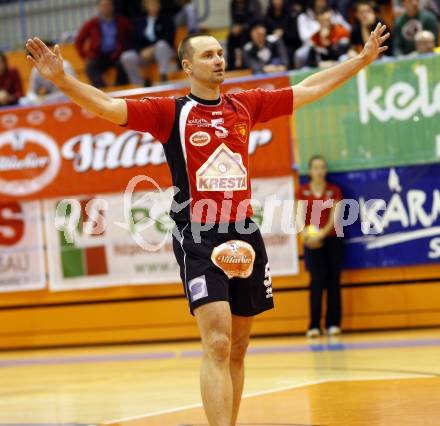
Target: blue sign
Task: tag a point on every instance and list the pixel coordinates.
(397, 222)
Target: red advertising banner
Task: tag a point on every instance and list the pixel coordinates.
(60, 150)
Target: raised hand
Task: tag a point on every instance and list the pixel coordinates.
(49, 64)
(374, 46)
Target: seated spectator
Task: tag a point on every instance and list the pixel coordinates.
(431, 5)
(366, 21)
(41, 90)
(265, 54)
(308, 25)
(329, 43)
(425, 43)
(241, 12)
(281, 22)
(184, 12)
(153, 41)
(101, 42)
(409, 24)
(130, 9)
(11, 88)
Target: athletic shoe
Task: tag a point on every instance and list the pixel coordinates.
(334, 330)
(313, 332)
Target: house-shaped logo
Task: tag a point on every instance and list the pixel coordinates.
(223, 171)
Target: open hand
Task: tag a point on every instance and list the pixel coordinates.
(49, 64)
(374, 45)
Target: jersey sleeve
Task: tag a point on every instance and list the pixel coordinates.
(152, 115)
(264, 105)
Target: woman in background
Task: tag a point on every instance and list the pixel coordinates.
(322, 247)
(11, 89)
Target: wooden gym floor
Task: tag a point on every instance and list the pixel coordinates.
(374, 379)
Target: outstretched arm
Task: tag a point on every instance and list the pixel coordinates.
(50, 65)
(324, 82)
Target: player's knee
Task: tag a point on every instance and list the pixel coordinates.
(218, 347)
(238, 350)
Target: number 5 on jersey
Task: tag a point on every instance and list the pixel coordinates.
(221, 131)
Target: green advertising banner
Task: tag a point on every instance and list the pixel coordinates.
(388, 115)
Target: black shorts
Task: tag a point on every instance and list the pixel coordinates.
(204, 282)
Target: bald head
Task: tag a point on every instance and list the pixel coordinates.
(425, 42)
(189, 44)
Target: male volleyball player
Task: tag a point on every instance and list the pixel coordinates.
(205, 136)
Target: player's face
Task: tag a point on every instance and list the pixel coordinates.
(318, 170)
(208, 62)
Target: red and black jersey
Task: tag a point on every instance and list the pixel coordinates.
(206, 146)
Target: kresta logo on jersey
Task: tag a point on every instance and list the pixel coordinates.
(223, 171)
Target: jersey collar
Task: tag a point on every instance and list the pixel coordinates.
(215, 102)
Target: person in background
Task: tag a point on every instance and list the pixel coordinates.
(409, 24)
(308, 25)
(41, 90)
(101, 41)
(11, 88)
(241, 13)
(425, 43)
(431, 5)
(323, 249)
(265, 54)
(184, 12)
(153, 41)
(281, 21)
(329, 44)
(366, 21)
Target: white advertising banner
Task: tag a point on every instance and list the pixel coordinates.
(126, 239)
(21, 247)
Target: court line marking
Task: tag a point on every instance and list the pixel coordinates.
(267, 392)
(140, 356)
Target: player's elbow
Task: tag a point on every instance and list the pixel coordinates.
(114, 110)
(305, 94)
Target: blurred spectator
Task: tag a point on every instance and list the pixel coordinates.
(128, 8)
(264, 54)
(329, 43)
(11, 88)
(431, 5)
(409, 24)
(425, 43)
(283, 23)
(153, 41)
(41, 90)
(366, 21)
(308, 25)
(184, 12)
(101, 42)
(241, 12)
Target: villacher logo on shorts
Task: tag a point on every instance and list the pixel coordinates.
(200, 139)
(223, 171)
